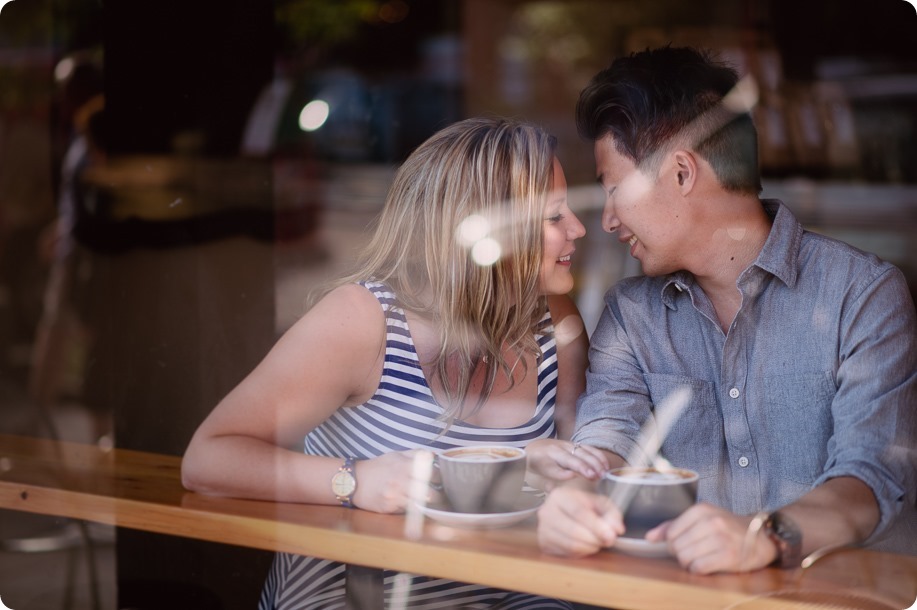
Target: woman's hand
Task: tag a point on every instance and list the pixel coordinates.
(554, 460)
(387, 484)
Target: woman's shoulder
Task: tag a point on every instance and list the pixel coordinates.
(562, 306)
(339, 341)
(349, 309)
(352, 297)
(569, 328)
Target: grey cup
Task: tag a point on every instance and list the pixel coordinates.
(648, 497)
(486, 479)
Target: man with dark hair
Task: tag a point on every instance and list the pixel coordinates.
(784, 360)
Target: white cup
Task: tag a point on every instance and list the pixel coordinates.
(648, 497)
(482, 479)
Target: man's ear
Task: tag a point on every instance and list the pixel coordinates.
(685, 170)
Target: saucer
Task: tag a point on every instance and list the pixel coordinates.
(641, 547)
(526, 505)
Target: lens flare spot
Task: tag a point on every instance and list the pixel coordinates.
(743, 97)
(313, 115)
(486, 252)
(473, 229)
(64, 68)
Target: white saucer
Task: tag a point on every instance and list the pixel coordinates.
(526, 506)
(641, 547)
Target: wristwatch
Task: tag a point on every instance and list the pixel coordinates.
(785, 534)
(344, 483)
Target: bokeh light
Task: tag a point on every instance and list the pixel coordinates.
(473, 229)
(313, 115)
(743, 97)
(486, 252)
(64, 69)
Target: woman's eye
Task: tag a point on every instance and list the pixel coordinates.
(556, 218)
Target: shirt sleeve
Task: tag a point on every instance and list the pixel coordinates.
(875, 424)
(616, 403)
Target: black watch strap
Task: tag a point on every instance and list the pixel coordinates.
(786, 536)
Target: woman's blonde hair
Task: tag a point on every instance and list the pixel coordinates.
(477, 180)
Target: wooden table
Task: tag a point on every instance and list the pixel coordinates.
(143, 491)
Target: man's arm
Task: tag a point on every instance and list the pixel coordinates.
(616, 404)
(875, 407)
(841, 511)
(707, 539)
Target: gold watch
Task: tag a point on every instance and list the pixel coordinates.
(344, 483)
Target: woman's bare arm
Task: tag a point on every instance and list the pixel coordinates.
(246, 447)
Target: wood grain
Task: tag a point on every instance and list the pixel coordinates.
(143, 491)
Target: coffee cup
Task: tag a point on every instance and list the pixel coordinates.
(482, 479)
(647, 496)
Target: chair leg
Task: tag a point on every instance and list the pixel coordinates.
(364, 588)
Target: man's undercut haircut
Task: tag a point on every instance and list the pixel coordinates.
(655, 101)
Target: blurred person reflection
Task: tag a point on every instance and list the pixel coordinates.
(64, 336)
(421, 349)
(800, 351)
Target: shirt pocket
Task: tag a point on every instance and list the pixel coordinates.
(695, 439)
(798, 423)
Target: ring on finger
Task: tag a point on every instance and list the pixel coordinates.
(575, 447)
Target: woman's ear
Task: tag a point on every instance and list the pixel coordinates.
(685, 170)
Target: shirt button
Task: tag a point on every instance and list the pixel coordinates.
(734, 393)
(743, 461)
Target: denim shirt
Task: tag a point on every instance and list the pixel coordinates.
(815, 378)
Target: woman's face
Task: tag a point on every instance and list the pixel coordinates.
(561, 229)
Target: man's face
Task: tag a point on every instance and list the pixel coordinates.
(641, 209)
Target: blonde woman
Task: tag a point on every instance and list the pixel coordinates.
(428, 345)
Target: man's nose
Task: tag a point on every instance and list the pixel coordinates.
(610, 220)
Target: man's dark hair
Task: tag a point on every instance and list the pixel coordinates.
(672, 95)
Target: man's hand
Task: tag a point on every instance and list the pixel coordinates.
(574, 522)
(706, 539)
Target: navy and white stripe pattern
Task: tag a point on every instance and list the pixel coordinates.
(403, 415)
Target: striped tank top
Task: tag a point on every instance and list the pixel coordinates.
(404, 415)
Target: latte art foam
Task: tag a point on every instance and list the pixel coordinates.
(655, 476)
(651, 476)
(491, 454)
(478, 457)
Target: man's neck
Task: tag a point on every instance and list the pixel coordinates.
(736, 238)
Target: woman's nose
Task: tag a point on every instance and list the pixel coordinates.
(576, 229)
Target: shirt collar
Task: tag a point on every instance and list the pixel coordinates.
(779, 256)
(674, 285)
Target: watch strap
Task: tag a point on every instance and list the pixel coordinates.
(786, 536)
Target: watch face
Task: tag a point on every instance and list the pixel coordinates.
(343, 484)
